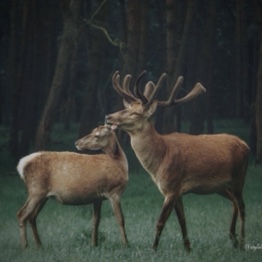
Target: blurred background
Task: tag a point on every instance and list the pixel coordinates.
(57, 59)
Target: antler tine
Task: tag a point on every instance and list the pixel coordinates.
(149, 88)
(126, 95)
(156, 87)
(126, 82)
(170, 100)
(137, 90)
(197, 90)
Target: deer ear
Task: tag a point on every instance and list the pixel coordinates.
(126, 104)
(152, 108)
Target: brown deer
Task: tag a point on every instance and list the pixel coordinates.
(180, 163)
(75, 179)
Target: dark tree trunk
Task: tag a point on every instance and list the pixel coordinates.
(202, 107)
(180, 62)
(259, 107)
(69, 42)
(15, 74)
(133, 38)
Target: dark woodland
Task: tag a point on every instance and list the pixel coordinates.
(58, 58)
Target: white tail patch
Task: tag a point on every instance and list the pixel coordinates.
(24, 161)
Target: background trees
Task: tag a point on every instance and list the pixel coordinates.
(57, 58)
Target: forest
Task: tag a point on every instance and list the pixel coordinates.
(58, 58)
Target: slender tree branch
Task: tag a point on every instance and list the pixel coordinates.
(90, 22)
(98, 10)
(115, 42)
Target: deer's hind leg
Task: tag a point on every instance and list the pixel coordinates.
(27, 210)
(32, 221)
(241, 209)
(232, 232)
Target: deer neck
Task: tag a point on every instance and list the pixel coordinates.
(115, 151)
(149, 148)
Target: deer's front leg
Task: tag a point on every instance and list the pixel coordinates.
(165, 213)
(179, 208)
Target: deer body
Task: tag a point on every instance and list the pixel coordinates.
(75, 179)
(182, 163)
(203, 170)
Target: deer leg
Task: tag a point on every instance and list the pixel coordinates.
(179, 208)
(23, 214)
(116, 205)
(22, 224)
(32, 221)
(241, 210)
(96, 220)
(165, 213)
(232, 233)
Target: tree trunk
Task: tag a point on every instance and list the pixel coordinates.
(240, 79)
(141, 63)
(29, 67)
(69, 41)
(15, 67)
(133, 38)
(95, 58)
(259, 106)
(169, 123)
(180, 62)
(203, 69)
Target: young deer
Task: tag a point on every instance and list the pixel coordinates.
(181, 163)
(75, 179)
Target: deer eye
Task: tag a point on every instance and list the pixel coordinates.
(97, 136)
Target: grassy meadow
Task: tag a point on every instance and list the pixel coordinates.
(66, 230)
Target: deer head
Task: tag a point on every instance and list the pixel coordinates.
(98, 139)
(141, 106)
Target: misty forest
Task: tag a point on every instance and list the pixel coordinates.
(58, 58)
(57, 62)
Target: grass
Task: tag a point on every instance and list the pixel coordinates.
(66, 230)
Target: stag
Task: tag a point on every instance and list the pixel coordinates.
(75, 179)
(180, 163)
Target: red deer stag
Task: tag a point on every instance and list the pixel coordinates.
(75, 179)
(181, 163)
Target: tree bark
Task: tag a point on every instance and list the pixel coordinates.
(169, 119)
(133, 38)
(201, 107)
(259, 107)
(69, 41)
(89, 118)
(15, 74)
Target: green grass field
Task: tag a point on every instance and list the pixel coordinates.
(65, 230)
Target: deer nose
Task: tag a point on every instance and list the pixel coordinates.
(77, 144)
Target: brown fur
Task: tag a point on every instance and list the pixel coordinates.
(182, 163)
(75, 179)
